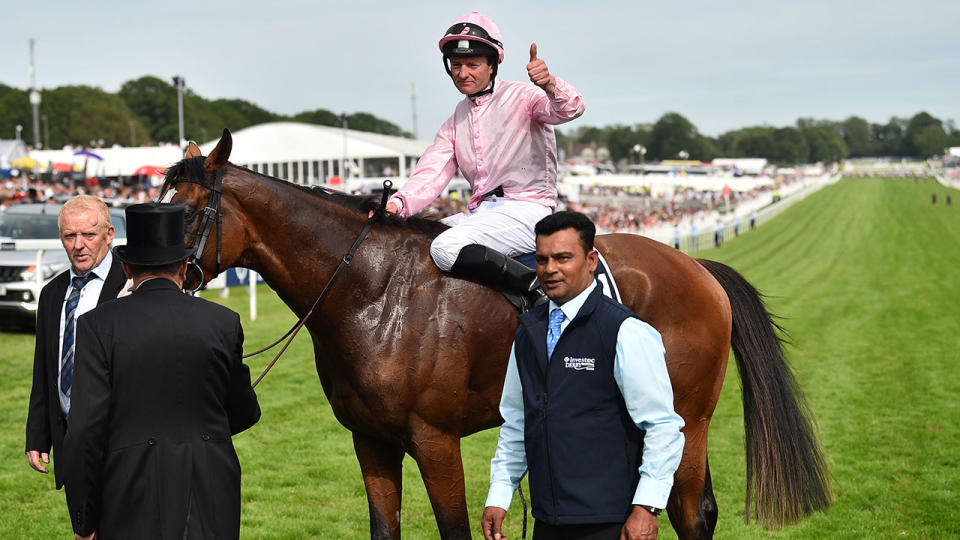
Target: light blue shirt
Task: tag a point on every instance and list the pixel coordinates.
(641, 374)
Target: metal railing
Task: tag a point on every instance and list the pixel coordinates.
(690, 244)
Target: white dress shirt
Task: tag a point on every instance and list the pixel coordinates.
(89, 295)
(641, 374)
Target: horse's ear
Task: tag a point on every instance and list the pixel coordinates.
(192, 150)
(220, 154)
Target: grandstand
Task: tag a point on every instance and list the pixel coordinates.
(885, 168)
(947, 169)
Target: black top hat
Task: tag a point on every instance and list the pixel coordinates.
(154, 235)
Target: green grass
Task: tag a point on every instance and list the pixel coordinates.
(865, 274)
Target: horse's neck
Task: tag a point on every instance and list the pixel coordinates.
(294, 240)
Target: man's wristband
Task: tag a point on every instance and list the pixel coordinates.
(653, 510)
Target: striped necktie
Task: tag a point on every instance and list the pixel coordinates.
(69, 333)
(553, 330)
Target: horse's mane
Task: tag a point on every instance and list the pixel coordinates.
(193, 168)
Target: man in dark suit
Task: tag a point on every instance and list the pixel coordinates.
(94, 277)
(161, 388)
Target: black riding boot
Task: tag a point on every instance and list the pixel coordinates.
(494, 269)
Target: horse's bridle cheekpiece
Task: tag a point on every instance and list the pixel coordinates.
(211, 214)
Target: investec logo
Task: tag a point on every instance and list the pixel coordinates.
(579, 364)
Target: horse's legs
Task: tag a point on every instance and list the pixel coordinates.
(692, 507)
(438, 455)
(382, 466)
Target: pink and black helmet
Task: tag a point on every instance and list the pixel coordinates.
(473, 34)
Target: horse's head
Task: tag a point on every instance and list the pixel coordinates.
(199, 183)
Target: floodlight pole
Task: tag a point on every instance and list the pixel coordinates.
(413, 105)
(34, 100)
(179, 83)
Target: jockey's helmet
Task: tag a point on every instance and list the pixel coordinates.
(473, 34)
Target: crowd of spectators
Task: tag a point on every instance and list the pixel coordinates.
(891, 173)
(627, 211)
(947, 169)
(621, 210)
(612, 209)
(24, 190)
(443, 207)
(636, 211)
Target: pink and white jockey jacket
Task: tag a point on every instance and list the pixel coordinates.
(500, 139)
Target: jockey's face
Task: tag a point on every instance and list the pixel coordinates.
(470, 74)
(564, 267)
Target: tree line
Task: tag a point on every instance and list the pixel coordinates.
(144, 112)
(809, 141)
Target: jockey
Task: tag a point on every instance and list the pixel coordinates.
(501, 138)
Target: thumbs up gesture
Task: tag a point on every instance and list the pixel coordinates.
(538, 72)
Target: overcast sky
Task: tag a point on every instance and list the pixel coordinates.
(723, 65)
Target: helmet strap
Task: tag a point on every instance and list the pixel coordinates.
(487, 90)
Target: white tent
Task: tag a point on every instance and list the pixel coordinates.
(300, 153)
(116, 161)
(11, 151)
(312, 154)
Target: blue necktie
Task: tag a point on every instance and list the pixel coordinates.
(553, 330)
(69, 330)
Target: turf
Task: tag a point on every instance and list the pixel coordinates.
(864, 274)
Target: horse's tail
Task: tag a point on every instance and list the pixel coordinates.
(787, 475)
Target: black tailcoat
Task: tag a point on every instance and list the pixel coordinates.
(159, 388)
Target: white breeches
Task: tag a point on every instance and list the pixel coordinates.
(502, 224)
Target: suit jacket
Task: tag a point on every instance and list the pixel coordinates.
(159, 388)
(45, 421)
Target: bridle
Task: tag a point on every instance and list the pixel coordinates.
(212, 212)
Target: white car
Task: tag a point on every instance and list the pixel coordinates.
(19, 290)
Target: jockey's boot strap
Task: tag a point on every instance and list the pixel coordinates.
(494, 269)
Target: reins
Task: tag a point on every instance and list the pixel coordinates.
(344, 263)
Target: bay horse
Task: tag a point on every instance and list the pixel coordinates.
(412, 359)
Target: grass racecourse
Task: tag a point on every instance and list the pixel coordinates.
(866, 275)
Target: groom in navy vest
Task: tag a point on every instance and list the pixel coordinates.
(587, 405)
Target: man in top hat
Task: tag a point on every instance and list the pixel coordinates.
(160, 388)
